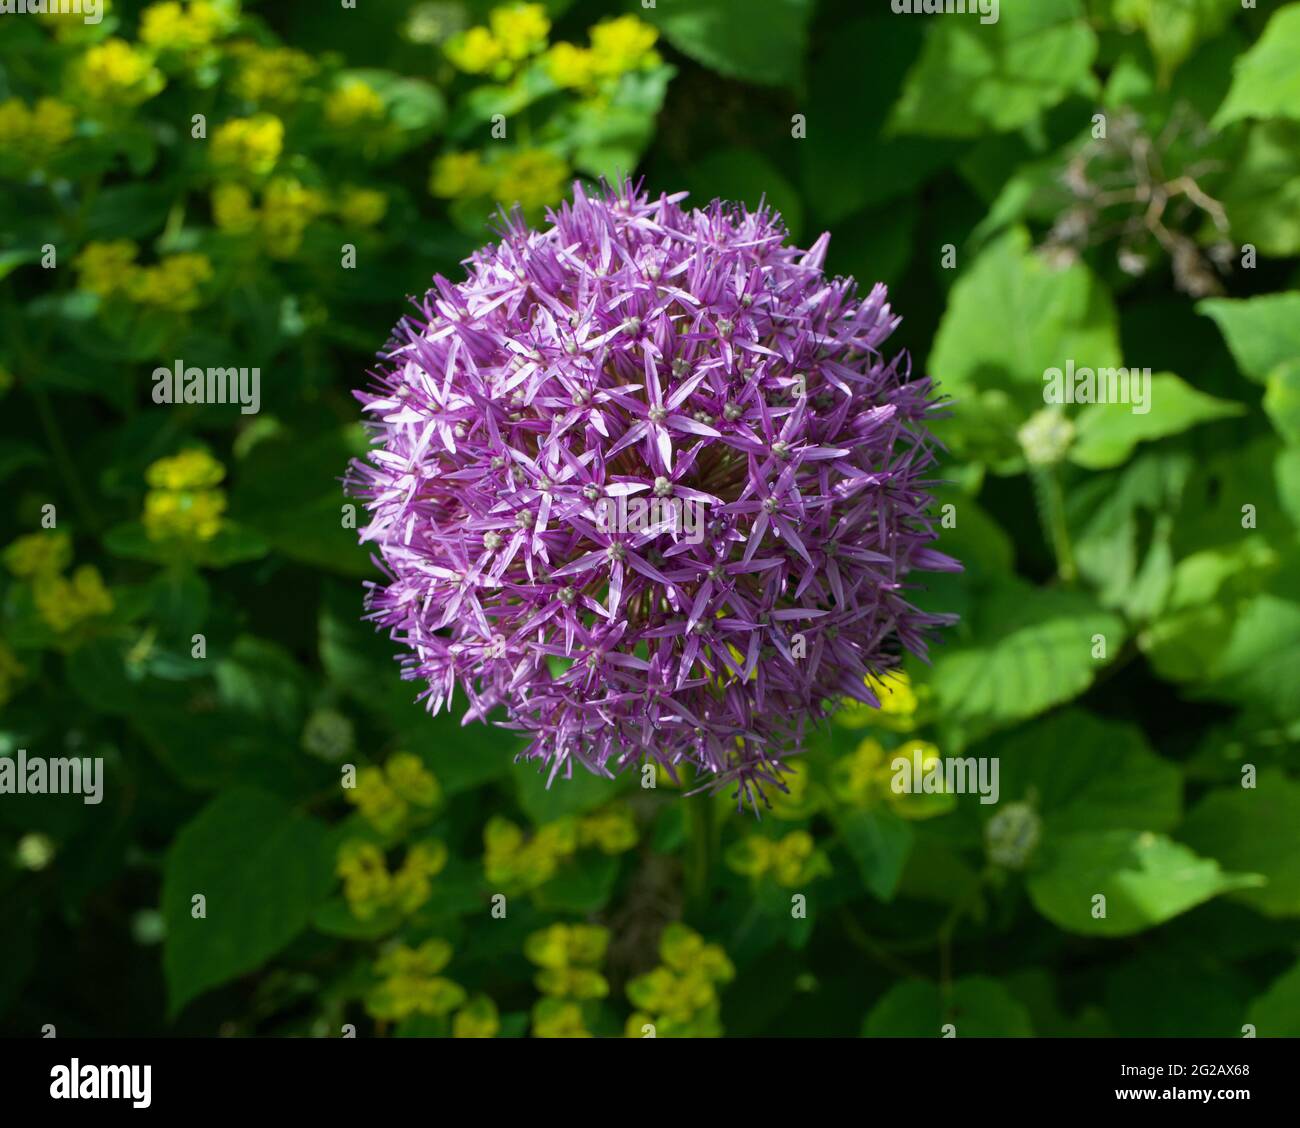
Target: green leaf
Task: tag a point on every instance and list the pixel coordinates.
(263, 870)
(582, 885)
(1030, 650)
(609, 138)
(1262, 333)
(975, 78)
(1260, 664)
(1282, 400)
(289, 491)
(1287, 468)
(1256, 830)
(1262, 191)
(1146, 879)
(845, 99)
(978, 1007)
(730, 37)
(1087, 773)
(1011, 316)
(1266, 79)
(879, 842)
(1276, 1013)
(1175, 27)
(1107, 433)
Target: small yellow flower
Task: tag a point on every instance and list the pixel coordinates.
(378, 803)
(571, 67)
(476, 51)
(425, 961)
(409, 778)
(623, 44)
(249, 146)
(106, 268)
(862, 775)
(478, 1018)
(172, 284)
(115, 73)
(170, 26)
(613, 831)
(233, 209)
(898, 704)
(270, 74)
(558, 1018)
(192, 469)
(362, 207)
(367, 884)
(566, 945)
(459, 174)
(683, 949)
(183, 516)
(39, 554)
(53, 122)
(520, 29)
(411, 884)
(288, 209)
(412, 984)
(353, 102)
(532, 178)
(38, 133)
(917, 789)
(65, 603)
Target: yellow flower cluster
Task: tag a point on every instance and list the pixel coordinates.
(11, 671)
(516, 863)
(38, 133)
(39, 554)
(63, 602)
(173, 283)
(618, 46)
(385, 798)
(248, 147)
(361, 207)
(680, 998)
(867, 775)
(568, 955)
(370, 888)
(287, 209)
(270, 74)
(514, 34)
(532, 178)
(116, 74)
(184, 28)
(898, 699)
(789, 861)
(353, 103)
(478, 1018)
(411, 984)
(183, 503)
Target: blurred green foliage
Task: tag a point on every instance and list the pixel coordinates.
(1109, 183)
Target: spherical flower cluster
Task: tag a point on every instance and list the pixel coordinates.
(646, 482)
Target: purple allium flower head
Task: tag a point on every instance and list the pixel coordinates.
(545, 432)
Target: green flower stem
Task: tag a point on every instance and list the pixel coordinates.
(1051, 512)
(701, 830)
